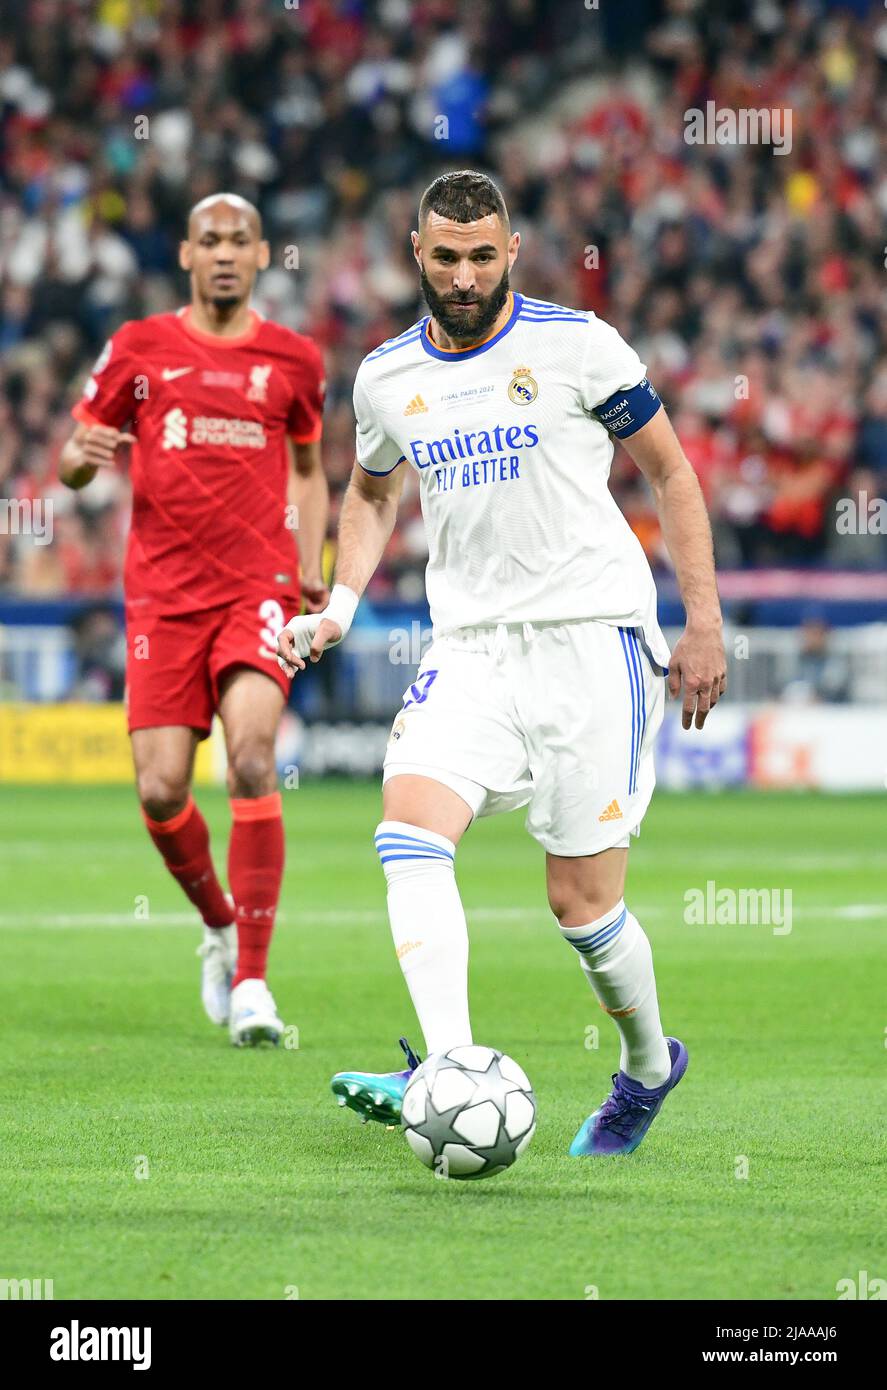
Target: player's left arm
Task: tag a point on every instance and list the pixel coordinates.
(309, 493)
(698, 660)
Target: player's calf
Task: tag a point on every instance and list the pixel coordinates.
(249, 707)
(255, 872)
(183, 841)
(429, 929)
(618, 963)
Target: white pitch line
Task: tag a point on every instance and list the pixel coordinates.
(186, 919)
(773, 859)
(332, 917)
(500, 857)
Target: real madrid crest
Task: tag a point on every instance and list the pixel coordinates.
(523, 388)
(397, 730)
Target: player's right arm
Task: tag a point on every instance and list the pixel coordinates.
(90, 448)
(369, 510)
(366, 521)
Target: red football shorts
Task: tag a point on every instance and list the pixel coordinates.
(174, 663)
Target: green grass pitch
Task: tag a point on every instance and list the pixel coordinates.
(143, 1157)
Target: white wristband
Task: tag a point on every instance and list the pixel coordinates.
(340, 610)
(342, 607)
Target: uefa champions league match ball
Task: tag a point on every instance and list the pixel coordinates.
(469, 1112)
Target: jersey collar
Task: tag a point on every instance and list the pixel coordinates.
(462, 354)
(216, 339)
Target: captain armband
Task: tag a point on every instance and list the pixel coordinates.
(626, 411)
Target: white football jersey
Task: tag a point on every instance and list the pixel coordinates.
(513, 469)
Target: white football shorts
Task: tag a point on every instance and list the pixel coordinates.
(558, 716)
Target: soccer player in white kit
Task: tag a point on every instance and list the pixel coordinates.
(544, 685)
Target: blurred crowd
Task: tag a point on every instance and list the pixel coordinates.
(751, 281)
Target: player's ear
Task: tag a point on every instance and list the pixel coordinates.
(264, 257)
(513, 248)
(185, 255)
(417, 247)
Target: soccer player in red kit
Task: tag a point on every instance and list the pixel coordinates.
(222, 409)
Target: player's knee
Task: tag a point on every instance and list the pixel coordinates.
(575, 906)
(162, 795)
(251, 770)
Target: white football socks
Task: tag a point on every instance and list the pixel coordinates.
(615, 954)
(429, 929)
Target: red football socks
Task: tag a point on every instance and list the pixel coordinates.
(255, 871)
(184, 843)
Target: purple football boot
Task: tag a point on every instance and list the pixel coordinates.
(628, 1112)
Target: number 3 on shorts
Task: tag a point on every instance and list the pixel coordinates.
(271, 614)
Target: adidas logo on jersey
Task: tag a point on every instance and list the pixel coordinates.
(612, 812)
(416, 407)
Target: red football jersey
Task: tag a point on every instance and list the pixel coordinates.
(210, 469)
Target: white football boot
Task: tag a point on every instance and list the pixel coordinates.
(253, 1017)
(219, 952)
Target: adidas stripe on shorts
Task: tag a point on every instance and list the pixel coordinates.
(559, 717)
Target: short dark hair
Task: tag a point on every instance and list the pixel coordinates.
(463, 196)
